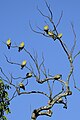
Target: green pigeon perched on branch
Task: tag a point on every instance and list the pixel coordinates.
(58, 76)
(23, 64)
(46, 28)
(28, 75)
(59, 35)
(21, 46)
(8, 43)
(21, 85)
(51, 34)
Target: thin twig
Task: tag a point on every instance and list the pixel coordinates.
(4, 75)
(48, 6)
(13, 96)
(14, 63)
(73, 47)
(59, 19)
(49, 87)
(35, 62)
(49, 18)
(76, 55)
(42, 33)
(75, 83)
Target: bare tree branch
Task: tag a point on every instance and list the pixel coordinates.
(59, 19)
(76, 55)
(42, 33)
(13, 96)
(49, 18)
(47, 113)
(48, 6)
(35, 62)
(14, 63)
(75, 83)
(49, 106)
(49, 87)
(64, 48)
(33, 92)
(4, 75)
(73, 47)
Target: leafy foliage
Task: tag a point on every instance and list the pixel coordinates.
(4, 100)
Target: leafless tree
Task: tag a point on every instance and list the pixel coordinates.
(61, 96)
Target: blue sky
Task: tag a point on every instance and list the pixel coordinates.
(14, 24)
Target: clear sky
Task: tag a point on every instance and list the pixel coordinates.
(14, 24)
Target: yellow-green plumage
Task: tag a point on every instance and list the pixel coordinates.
(23, 64)
(60, 35)
(51, 34)
(21, 46)
(8, 43)
(46, 28)
(58, 76)
(21, 85)
(28, 75)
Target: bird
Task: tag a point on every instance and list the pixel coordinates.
(28, 75)
(23, 64)
(21, 85)
(60, 100)
(21, 46)
(51, 34)
(46, 28)
(56, 77)
(49, 112)
(8, 43)
(60, 35)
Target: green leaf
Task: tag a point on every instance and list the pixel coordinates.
(5, 94)
(1, 81)
(8, 111)
(4, 118)
(4, 100)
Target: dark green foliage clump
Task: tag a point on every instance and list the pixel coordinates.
(4, 100)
